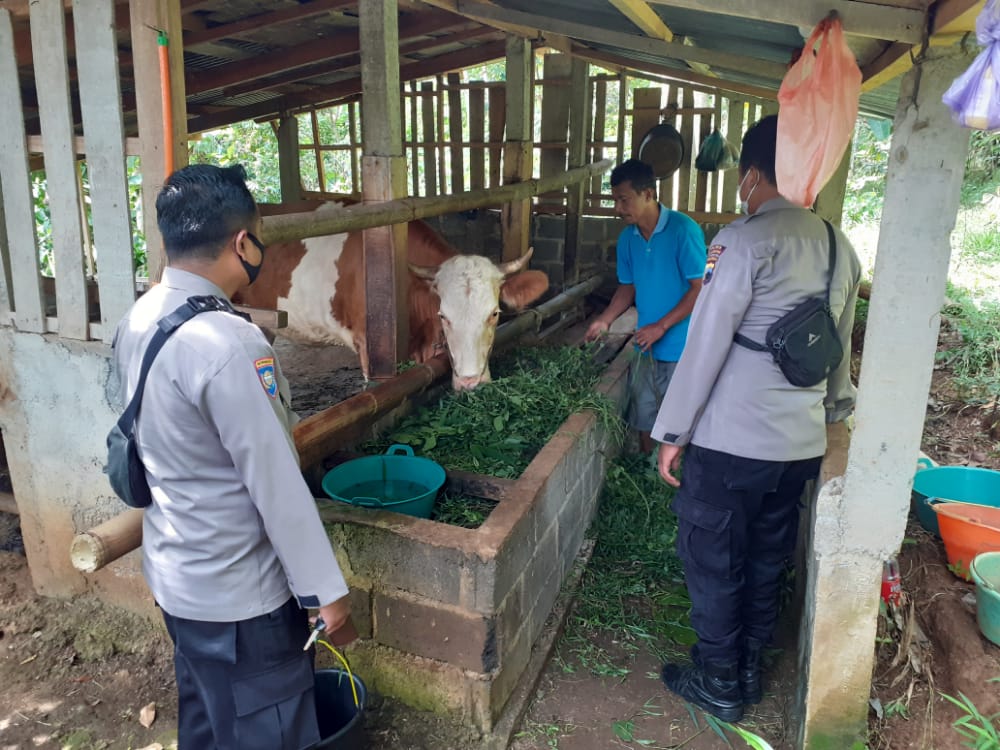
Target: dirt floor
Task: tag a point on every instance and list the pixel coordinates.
(74, 674)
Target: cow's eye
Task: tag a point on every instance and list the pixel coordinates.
(496, 313)
(444, 318)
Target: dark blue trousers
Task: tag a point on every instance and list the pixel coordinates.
(737, 527)
(245, 685)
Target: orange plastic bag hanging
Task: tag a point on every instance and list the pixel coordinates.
(818, 102)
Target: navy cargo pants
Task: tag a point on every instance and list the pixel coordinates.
(245, 685)
(737, 526)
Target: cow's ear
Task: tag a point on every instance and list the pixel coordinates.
(427, 273)
(521, 289)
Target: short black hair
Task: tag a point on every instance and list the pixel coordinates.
(639, 173)
(200, 207)
(759, 146)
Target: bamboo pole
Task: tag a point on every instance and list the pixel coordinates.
(328, 431)
(286, 227)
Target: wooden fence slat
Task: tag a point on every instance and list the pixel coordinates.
(455, 133)
(498, 118)
(600, 97)
(667, 185)
(352, 127)
(622, 101)
(414, 139)
(734, 134)
(477, 138)
(100, 104)
(429, 136)
(48, 32)
(701, 183)
(684, 184)
(442, 166)
(25, 286)
(713, 204)
(555, 115)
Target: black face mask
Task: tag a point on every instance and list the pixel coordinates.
(253, 271)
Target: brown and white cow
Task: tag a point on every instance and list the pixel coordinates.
(453, 298)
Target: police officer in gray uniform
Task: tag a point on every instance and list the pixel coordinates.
(751, 440)
(233, 546)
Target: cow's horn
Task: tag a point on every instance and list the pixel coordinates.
(514, 266)
(423, 272)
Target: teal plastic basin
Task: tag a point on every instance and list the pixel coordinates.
(397, 481)
(963, 484)
(985, 569)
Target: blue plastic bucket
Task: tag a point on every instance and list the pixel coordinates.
(341, 722)
(397, 481)
(985, 571)
(962, 484)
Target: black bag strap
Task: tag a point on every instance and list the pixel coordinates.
(742, 340)
(165, 327)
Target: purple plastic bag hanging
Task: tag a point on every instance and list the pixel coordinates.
(974, 97)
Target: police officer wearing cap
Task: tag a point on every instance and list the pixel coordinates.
(750, 439)
(233, 547)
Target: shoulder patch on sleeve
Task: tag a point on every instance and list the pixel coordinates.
(713, 257)
(265, 372)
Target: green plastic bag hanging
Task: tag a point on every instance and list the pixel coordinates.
(711, 153)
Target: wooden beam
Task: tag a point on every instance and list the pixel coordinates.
(605, 58)
(644, 18)
(515, 218)
(584, 32)
(554, 40)
(859, 18)
(267, 20)
(288, 159)
(952, 18)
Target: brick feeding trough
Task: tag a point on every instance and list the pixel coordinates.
(449, 616)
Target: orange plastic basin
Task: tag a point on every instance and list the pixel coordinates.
(967, 530)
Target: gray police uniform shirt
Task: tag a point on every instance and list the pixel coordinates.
(233, 530)
(728, 398)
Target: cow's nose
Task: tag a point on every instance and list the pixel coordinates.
(465, 383)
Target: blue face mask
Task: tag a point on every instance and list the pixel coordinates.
(253, 271)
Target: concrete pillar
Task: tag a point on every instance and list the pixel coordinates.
(860, 519)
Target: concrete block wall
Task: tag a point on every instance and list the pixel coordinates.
(464, 607)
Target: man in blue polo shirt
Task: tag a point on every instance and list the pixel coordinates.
(661, 262)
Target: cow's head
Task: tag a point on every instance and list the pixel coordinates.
(471, 289)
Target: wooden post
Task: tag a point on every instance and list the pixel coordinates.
(383, 169)
(430, 138)
(669, 116)
(100, 105)
(288, 159)
(48, 32)
(600, 125)
(455, 132)
(18, 203)
(687, 135)
(516, 216)
(734, 134)
(579, 126)
(145, 16)
(317, 154)
(498, 114)
(352, 126)
(556, 70)
(477, 138)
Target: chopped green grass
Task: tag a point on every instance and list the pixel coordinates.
(457, 509)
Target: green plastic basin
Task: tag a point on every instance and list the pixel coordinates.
(985, 569)
(397, 481)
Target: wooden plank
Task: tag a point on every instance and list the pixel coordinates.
(145, 17)
(272, 319)
(734, 134)
(414, 139)
(317, 154)
(497, 99)
(600, 104)
(644, 18)
(100, 97)
(427, 102)
(515, 219)
(442, 166)
(684, 183)
(352, 134)
(457, 138)
(556, 69)
(383, 178)
(713, 200)
(48, 32)
(477, 138)
(579, 127)
(701, 180)
(646, 114)
(865, 19)
(620, 135)
(36, 146)
(25, 283)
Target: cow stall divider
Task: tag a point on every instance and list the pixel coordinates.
(330, 430)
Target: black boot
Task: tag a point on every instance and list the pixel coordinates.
(713, 687)
(750, 684)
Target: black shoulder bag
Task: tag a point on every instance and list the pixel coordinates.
(125, 469)
(804, 341)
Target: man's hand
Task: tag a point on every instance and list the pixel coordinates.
(596, 329)
(669, 461)
(340, 629)
(648, 335)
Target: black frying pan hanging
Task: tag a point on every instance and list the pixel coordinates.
(662, 148)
